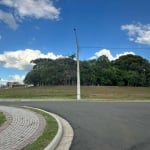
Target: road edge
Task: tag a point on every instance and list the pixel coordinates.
(59, 141)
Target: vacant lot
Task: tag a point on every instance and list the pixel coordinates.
(87, 92)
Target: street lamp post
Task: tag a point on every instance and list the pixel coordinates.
(78, 67)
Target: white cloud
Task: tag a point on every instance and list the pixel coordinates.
(101, 53)
(20, 59)
(8, 19)
(138, 33)
(7, 2)
(3, 82)
(17, 78)
(109, 55)
(12, 78)
(28, 8)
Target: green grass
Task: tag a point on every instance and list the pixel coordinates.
(39, 92)
(2, 118)
(69, 92)
(116, 93)
(48, 134)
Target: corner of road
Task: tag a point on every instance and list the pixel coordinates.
(64, 137)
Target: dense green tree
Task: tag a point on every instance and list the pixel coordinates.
(131, 62)
(103, 61)
(33, 77)
(136, 69)
(52, 72)
(129, 70)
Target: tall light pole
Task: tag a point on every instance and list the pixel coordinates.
(78, 67)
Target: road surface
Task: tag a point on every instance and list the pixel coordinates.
(103, 126)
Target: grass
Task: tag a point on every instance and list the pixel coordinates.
(116, 93)
(2, 118)
(69, 92)
(48, 134)
(39, 92)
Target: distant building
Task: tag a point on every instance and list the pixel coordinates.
(12, 84)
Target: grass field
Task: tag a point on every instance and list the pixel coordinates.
(2, 118)
(69, 92)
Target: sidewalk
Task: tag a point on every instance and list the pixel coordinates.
(24, 126)
(21, 129)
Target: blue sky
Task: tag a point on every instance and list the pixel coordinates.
(44, 28)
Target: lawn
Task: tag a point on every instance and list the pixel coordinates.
(2, 118)
(69, 92)
(116, 93)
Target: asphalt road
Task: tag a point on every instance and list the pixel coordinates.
(103, 126)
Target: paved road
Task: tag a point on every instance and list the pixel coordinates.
(103, 126)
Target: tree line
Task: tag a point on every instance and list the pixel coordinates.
(128, 70)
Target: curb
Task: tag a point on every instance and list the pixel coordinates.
(56, 140)
(71, 100)
(59, 141)
(54, 143)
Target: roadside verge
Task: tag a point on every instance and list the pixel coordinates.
(63, 138)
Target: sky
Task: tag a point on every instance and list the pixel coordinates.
(31, 29)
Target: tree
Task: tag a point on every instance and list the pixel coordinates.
(103, 61)
(33, 77)
(137, 68)
(129, 70)
(52, 72)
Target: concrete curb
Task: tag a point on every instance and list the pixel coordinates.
(68, 135)
(70, 100)
(54, 143)
(64, 136)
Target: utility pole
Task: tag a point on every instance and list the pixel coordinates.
(78, 67)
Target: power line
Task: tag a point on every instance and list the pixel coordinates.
(103, 47)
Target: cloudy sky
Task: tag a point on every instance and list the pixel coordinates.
(31, 29)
